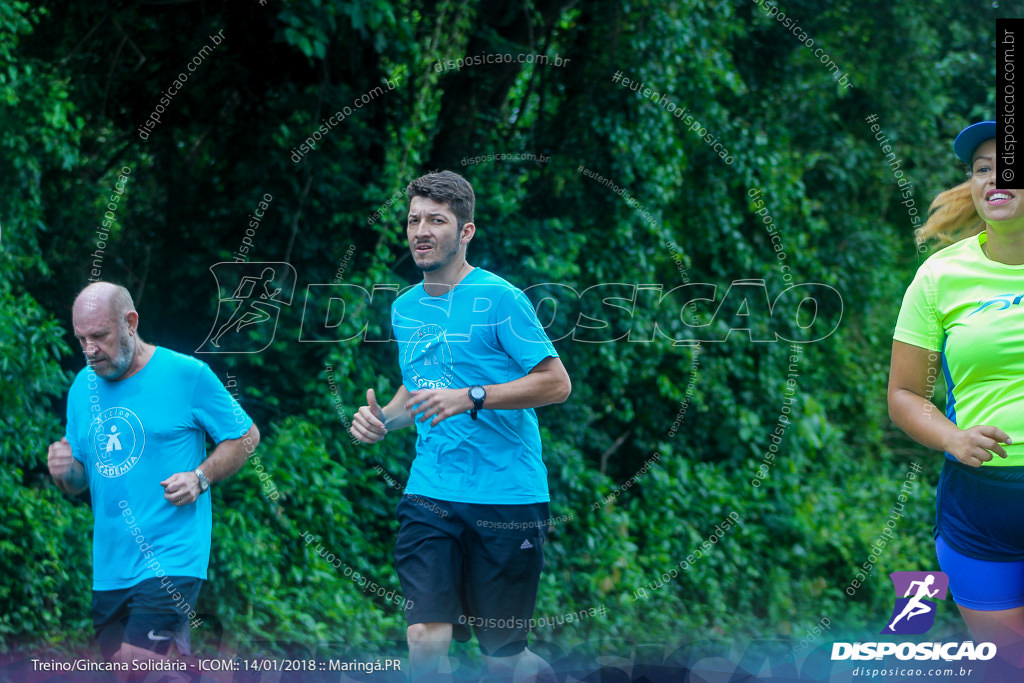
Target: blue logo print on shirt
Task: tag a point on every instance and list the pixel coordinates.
(1004, 301)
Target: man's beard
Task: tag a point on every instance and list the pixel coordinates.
(119, 364)
(441, 262)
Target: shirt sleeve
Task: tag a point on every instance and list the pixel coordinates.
(920, 322)
(521, 334)
(217, 411)
(73, 429)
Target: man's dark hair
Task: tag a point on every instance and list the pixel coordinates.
(446, 187)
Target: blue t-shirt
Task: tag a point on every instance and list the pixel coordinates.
(132, 434)
(484, 331)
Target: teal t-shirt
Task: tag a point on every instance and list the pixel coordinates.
(132, 434)
(483, 331)
(969, 309)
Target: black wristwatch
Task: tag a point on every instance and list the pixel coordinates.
(477, 394)
(204, 483)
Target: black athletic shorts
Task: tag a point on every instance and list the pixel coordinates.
(978, 511)
(472, 566)
(146, 615)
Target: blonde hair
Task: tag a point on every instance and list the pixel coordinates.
(952, 217)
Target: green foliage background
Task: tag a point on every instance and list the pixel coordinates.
(77, 80)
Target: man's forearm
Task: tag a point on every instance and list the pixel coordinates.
(74, 482)
(229, 455)
(548, 383)
(545, 384)
(395, 414)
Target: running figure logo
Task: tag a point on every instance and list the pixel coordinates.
(914, 612)
(248, 309)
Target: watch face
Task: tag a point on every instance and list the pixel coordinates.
(477, 393)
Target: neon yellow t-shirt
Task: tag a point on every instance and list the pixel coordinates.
(970, 309)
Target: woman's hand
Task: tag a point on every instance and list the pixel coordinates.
(975, 446)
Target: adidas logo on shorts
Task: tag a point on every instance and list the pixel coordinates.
(526, 545)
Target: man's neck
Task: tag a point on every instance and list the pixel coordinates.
(441, 281)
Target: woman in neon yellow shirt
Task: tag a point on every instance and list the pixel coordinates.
(963, 316)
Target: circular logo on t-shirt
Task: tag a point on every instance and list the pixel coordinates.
(117, 438)
(429, 358)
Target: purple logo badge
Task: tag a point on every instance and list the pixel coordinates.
(916, 593)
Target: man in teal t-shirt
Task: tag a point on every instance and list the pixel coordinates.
(484, 331)
(475, 363)
(137, 420)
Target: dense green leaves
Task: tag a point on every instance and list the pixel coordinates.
(619, 190)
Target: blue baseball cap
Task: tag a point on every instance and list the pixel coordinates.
(972, 136)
